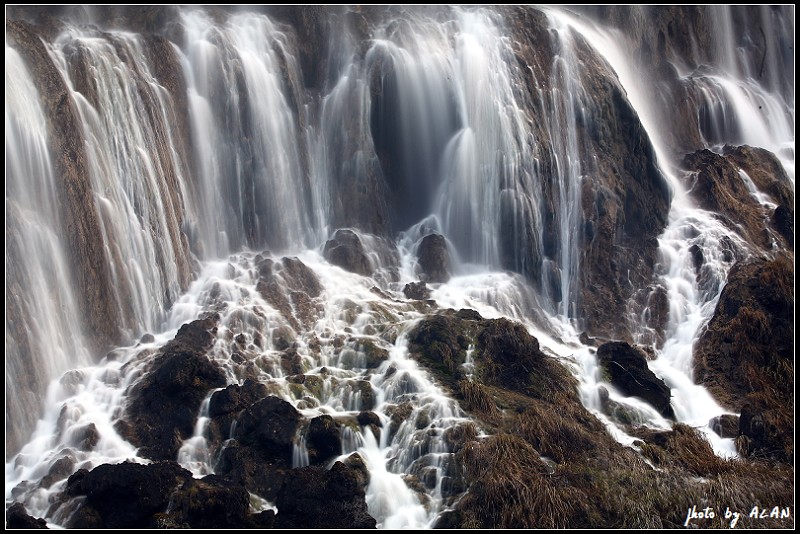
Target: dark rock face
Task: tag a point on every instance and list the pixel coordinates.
(434, 259)
(323, 439)
(125, 495)
(364, 254)
(161, 495)
(416, 291)
(505, 355)
(17, 517)
(269, 426)
(627, 370)
(624, 200)
(745, 354)
(163, 406)
(313, 497)
(346, 250)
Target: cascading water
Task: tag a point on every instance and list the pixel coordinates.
(136, 171)
(40, 343)
(425, 127)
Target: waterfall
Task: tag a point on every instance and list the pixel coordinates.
(216, 151)
(135, 168)
(43, 325)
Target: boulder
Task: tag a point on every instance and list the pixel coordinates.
(725, 425)
(416, 291)
(269, 426)
(316, 498)
(125, 495)
(323, 439)
(346, 250)
(627, 370)
(434, 259)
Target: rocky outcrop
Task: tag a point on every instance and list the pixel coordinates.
(744, 356)
(624, 199)
(627, 370)
(162, 407)
(434, 259)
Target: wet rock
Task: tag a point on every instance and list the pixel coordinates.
(59, 470)
(163, 406)
(17, 517)
(299, 277)
(235, 398)
(323, 439)
(346, 250)
(715, 182)
(211, 502)
(125, 495)
(374, 354)
(416, 291)
(282, 337)
(269, 426)
(85, 438)
(147, 338)
(626, 368)
(369, 418)
(725, 426)
(313, 497)
(434, 259)
(247, 466)
(291, 362)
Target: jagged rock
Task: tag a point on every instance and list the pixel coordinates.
(313, 497)
(163, 406)
(323, 439)
(369, 418)
(434, 259)
(726, 425)
(416, 291)
(125, 495)
(248, 466)
(269, 426)
(17, 517)
(627, 370)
